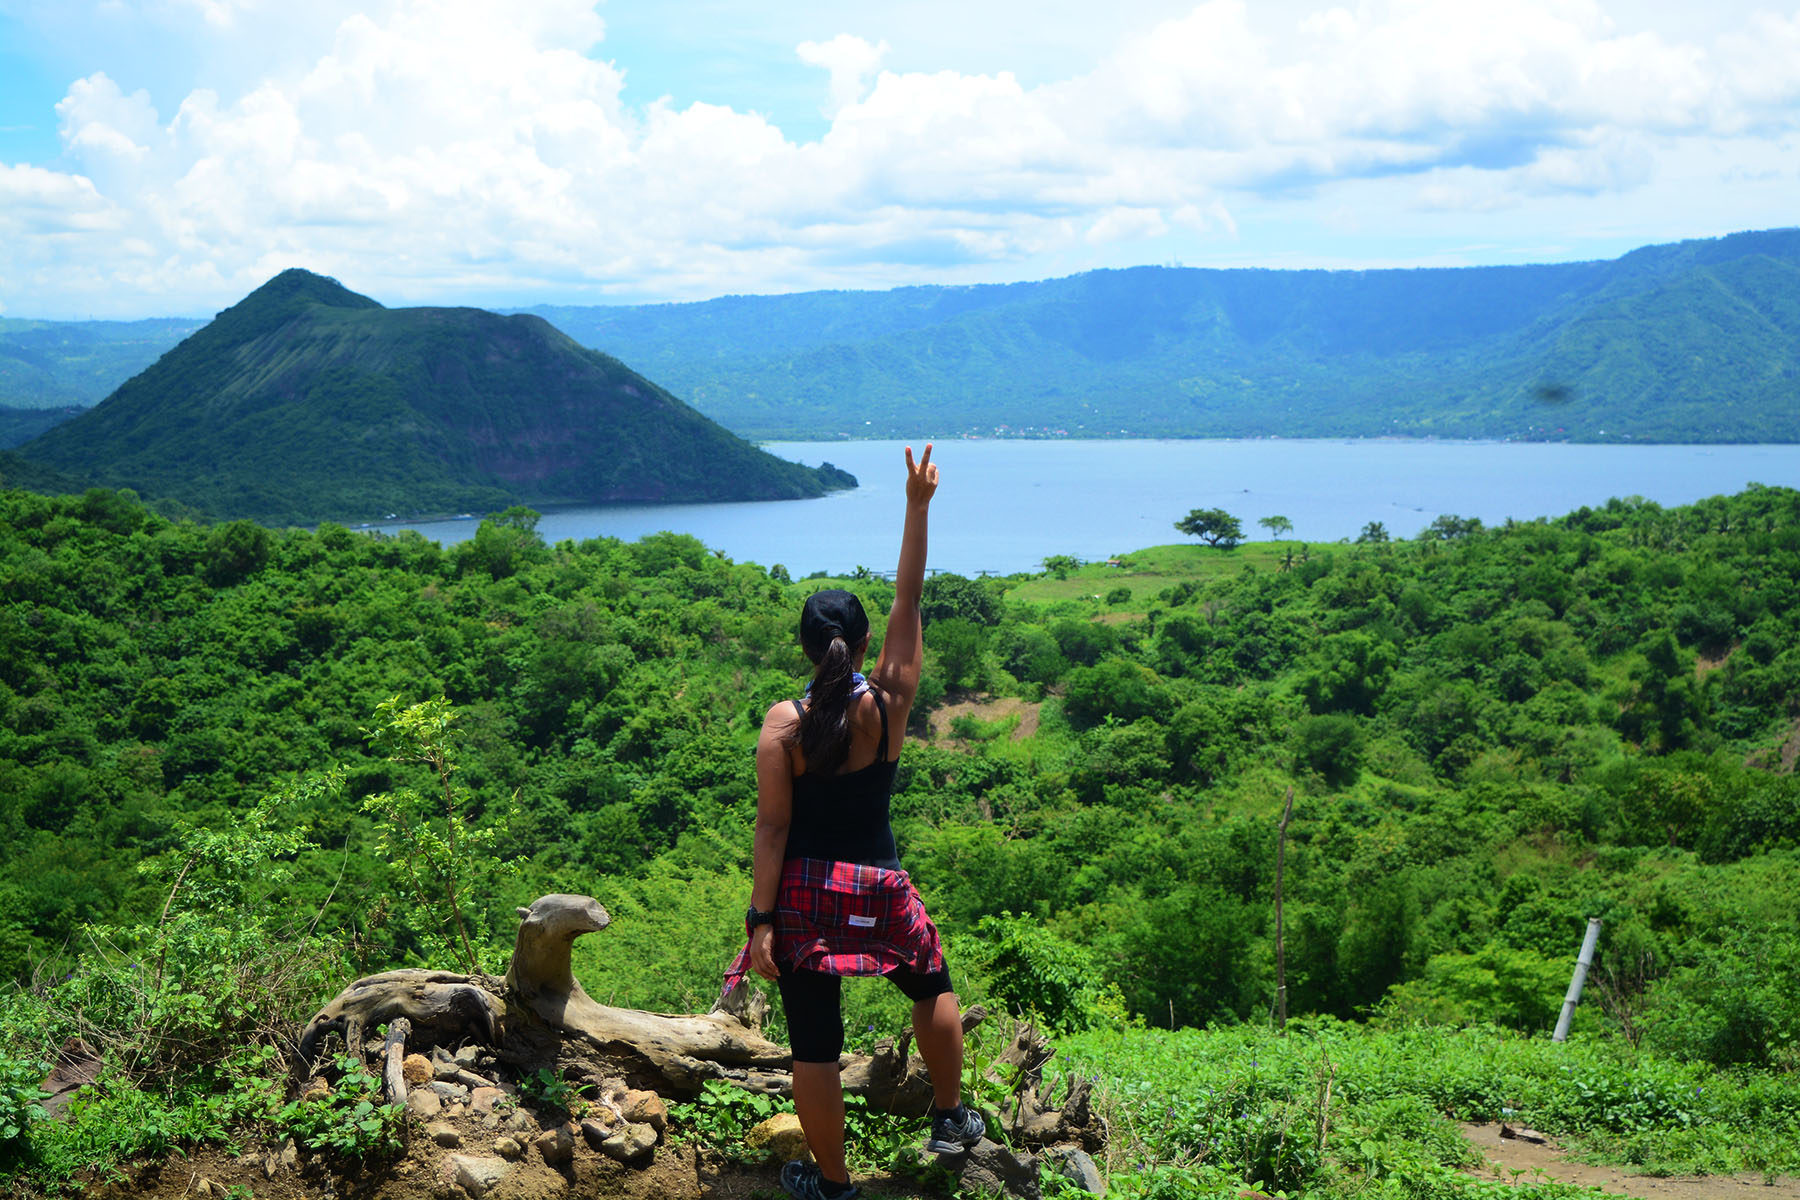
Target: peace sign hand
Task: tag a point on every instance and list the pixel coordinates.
(921, 480)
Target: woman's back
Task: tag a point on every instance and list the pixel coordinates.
(844, 817)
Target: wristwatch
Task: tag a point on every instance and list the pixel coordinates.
(756, 916)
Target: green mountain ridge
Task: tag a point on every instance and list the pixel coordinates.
(307, 401)
(1695, 341)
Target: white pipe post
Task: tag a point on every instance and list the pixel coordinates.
(1576, 981)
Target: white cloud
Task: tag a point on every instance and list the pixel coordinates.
(428, 148)
(850, 60)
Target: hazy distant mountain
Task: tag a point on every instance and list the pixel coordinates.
(306, 401)
(63, 364)
(1697, 341)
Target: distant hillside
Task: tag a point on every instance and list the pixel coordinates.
(1697, 341)
(59, 364)
(20, 425)
(307, 401)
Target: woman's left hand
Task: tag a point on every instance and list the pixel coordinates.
(762, 951)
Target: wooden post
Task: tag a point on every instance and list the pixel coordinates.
(1582, 963)
(1287, 810)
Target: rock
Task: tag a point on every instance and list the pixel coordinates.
(290, 1155)
(632, 1144)
(424, 1103)
(483, 1099)
(450, 1093)
(444, 1134)
(645, 1108)
(991, 1167)
(416, 1070)
(468, 1057)
(77, 1065)
(1074, 1164)
(780, 1137)
(556, 1145)
(520, 1121)
(595, 1132)
(508, 1148)
(477, 1174)
(316, 1089)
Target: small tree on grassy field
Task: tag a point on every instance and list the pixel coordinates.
(1276, 525)
(1214, 526)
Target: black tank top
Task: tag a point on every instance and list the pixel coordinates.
(844, 818)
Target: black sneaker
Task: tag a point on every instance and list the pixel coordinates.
(955, 1130)
(804, 1181)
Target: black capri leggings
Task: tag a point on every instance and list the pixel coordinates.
(813, 1002)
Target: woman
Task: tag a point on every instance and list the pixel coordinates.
(829, 897)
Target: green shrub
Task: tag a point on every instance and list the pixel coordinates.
(1035, 973)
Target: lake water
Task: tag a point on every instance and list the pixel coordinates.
(1005, 505)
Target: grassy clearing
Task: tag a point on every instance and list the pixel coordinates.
(1338, 1109)
(1147, 572)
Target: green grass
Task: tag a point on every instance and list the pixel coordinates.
(1191, 1104)
(1147, 572)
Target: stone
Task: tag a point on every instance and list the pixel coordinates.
(316, 1089)
(290, 1154)
(596, 1132)
(483, 1099)
(780, 1138)
(556, 1145)
(450, 1093)
(444, 1134)
(632, 1144)
(424, 1103)
(468, 1057)
(508, 1148)
(645, 1108)
(416, 1070)
(1074, 1164)
(520, 1121)
(991, 1167)
(477, 1174)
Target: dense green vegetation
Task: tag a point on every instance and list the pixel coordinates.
(63, 364)
(1491, 734)
(306, 401)
(1693, 342)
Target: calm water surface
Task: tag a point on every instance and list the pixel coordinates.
(1004, 505)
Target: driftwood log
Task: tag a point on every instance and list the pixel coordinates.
(539, 1016)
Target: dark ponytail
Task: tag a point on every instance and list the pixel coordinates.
(825, 726)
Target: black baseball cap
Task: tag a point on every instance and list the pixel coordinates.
(828, 614)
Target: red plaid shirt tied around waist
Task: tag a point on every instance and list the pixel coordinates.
(843, 918)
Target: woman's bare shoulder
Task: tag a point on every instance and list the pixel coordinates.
(781, 718)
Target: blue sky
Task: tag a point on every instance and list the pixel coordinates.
(166, 156)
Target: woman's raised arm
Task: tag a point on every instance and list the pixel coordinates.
(903, 647)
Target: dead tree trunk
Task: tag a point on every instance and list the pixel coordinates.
(1280, 1012)
(540, 1016)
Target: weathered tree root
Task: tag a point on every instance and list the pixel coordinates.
(539, 1015)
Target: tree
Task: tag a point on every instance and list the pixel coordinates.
(1374, 531)
(1276, 525)
(1060, 565)
(1214, 526)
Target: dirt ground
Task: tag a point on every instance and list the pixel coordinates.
(677, 1173)
(1505, 1156)
(984, 709)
